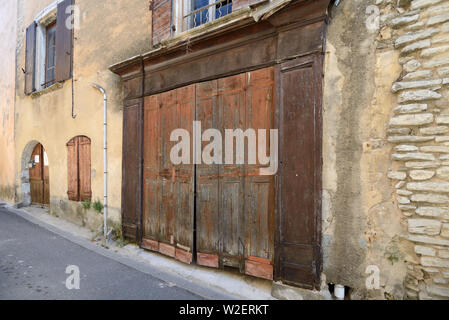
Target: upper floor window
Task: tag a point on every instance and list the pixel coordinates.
(50, 53)
(198, 12)
(49, 41)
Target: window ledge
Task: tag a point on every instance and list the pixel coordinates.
(260, 10)
(229, 19)
(234, 20)
(53, 87)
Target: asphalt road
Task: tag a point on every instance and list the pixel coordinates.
(33, 262)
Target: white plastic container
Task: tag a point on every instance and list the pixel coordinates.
(339, 292)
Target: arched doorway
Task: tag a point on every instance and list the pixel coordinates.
(39, 176)
(35, 175)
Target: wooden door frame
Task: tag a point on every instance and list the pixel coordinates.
(316, 61)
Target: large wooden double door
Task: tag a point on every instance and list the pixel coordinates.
(230, 214)
(39, 176)
(219, 214)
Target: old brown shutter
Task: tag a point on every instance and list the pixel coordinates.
(72, 170)
(30, 58)
(162, 20)
(79, 174)
(64, 41)
(84, 168)
(167, 189)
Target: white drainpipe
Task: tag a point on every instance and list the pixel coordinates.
(105, 156)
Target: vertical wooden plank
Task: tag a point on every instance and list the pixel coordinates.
(30, 59)
(151, 184)
(232, 112)
(168, 201)
(131, 170)
(207, 201)
(169, 122)
(184, 176)
(84, 168)
(259, 189)
(64, 41)
(72, 170)
(298, 256)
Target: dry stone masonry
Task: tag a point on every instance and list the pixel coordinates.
(419, 134)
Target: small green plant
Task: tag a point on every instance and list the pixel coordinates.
(98, 206)
(118, 234)
(392, 251)
(392, 257)
(87, 205)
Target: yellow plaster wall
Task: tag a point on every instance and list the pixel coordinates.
(8, 18)
(110, 31)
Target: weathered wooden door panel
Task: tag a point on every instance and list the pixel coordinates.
(298, 240)
(151, 179)
(39, 177)
(185, 175)
(207, 215)
(168, 188)
(37, 191)
(84, 156)
(235, 204)
(231, 213)
(169, 122)
(232, 112)
(131, 170)
(259, 189)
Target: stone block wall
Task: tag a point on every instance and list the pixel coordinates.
(419, 134)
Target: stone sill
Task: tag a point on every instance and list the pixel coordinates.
(53, 87)
(208, 27)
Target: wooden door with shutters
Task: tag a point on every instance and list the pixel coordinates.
(298, 237)
(168, 189)
(39, 176)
